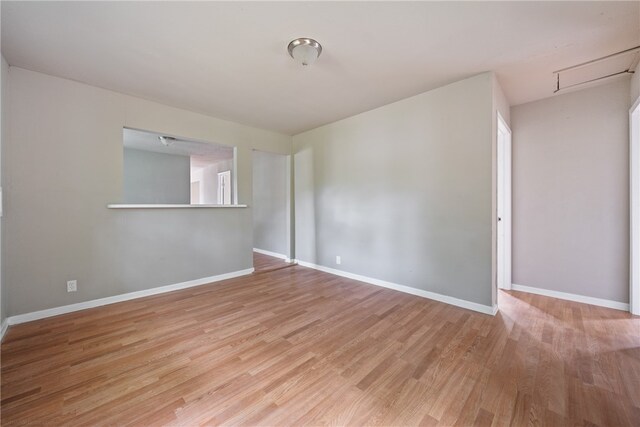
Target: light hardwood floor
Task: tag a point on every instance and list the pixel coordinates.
(301, 347)
(263, 263)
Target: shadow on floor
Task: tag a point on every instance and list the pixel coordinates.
(265, 263)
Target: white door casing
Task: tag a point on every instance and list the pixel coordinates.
(634, 204)
(224, 188)
(504, 205)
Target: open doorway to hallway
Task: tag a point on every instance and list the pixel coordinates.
(503, 205)
(271, 211)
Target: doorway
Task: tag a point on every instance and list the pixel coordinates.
(504, 205)
(224, 188)
(634, 203)
(271, 211)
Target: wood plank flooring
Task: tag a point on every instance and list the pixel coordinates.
(262, 263)
(301, 347)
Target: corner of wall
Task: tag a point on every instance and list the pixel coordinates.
(31, 93)
(331, 170)
(499, 106)
(635, 85)
(500, 101)
(3, 129)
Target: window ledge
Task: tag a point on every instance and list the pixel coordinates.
(168, 206)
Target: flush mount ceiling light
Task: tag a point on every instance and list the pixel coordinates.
(304, 50)
(167, 140)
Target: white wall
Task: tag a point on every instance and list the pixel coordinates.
(403, 193)
(63, 165)
(571, 192)
(209, 181)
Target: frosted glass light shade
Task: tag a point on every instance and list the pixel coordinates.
(305, 50)
(305, 54)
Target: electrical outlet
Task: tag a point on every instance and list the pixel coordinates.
(338, 260)
(72, 285)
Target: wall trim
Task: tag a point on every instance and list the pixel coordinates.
(273, 254)
(56, 311)
(485, 309)
(572, 297)
(3, 328)
(634, 208)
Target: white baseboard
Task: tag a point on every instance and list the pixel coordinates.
(28, 317)
(273, 254)
(572, 297)
(406, 289)
(3, 328)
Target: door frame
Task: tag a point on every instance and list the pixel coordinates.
(290, 202)
(634, 206)
(221, 188)
(503, 189)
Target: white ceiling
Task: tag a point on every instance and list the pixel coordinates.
(229, 59)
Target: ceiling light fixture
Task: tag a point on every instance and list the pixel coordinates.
(304, 50)
(167, 140)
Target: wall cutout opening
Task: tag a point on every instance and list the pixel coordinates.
(162, 169)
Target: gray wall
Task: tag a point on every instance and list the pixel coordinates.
(3, 113)
(270, 203)
(63, 164)
(403, 193)
(571, 192)
(159, 178)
